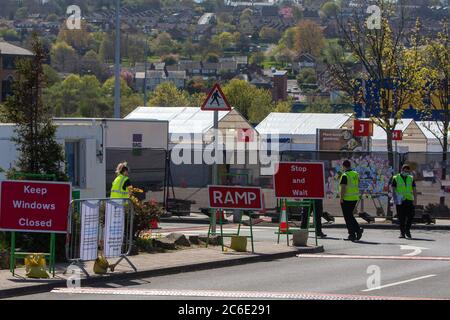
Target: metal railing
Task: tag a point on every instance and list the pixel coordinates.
(99, 225)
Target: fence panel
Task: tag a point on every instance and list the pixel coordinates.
(427, 169)
(99, 226)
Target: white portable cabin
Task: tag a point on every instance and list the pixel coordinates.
(85, 142)
(298, 131)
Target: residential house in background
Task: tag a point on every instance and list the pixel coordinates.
(305, 60)
(8, 55)
(156, 77)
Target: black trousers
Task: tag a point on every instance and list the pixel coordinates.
(318, 205)
(405, 214)
(348, 207)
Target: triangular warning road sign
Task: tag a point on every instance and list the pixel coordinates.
(216, 100)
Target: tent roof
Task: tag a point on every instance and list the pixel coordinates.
(428, 127)
(181, 119)
(380, 134)
(301, 123)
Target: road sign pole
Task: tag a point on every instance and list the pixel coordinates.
(215, 177)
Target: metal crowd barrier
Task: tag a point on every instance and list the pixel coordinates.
(99, 226)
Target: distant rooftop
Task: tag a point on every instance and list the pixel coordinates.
(7, 48)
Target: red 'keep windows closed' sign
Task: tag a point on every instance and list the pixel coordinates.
(34, 206)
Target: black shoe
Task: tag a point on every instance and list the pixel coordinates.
(351, 237)
(322, 235)
(408, 235)
(359, 234)
(402, 236)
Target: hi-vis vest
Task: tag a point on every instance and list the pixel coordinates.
(402, 189)
(352, 190)
(117, 187)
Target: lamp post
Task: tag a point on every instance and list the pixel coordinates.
(117, 64)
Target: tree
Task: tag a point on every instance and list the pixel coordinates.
(212, 57)
(9, 35)
(288, 38)
(106, 51)
(261, 105)
(307, 80)
(190, 49)
(63, 57)
(437, 59)
(35, 133)
(91, 64)
(163, 44)
(51, 75)
(167, 95)
(257, 58)
(197, 99)
(390, 70)
(329, 9)
(253, 103)
(129, 100)
(223, 41)
(284, 55)
(269, 35)
(309, 38)
(284, 106)
(79, 39)
(21, 13)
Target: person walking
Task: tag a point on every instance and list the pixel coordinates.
(405, 198)
(121, 184)
(349, 194)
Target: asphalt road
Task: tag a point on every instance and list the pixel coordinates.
(350, 273)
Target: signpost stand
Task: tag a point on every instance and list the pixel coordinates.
(238, 233)
(220, 198)
(300, 180)
(215, 101)
(308, 205)
(51, 255)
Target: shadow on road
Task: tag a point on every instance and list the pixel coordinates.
(419, 239)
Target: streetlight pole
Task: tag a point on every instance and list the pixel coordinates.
(117, 64)
(145, 72)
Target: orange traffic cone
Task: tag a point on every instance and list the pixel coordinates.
(154, 224)
(283, 220)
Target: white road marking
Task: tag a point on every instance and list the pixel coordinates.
(398, 283)
(344, 256)
(226, 294)
(416, 250)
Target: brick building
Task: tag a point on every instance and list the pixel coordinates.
(8, 55)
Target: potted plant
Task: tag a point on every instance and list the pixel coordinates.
(144, 213)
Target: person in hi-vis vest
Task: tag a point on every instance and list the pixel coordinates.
(405, 198)
(121, 184)
(349, 193)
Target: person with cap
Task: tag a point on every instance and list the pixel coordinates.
(121, 184)
(405, 198)
(349, 195)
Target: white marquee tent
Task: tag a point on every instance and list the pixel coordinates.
(297, 131)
